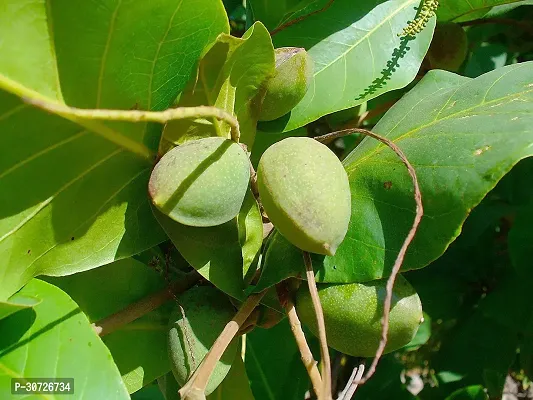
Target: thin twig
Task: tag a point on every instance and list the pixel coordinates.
(161, 117)
(352, 384)
(300, 18)
(324, 351)
(296, 327)
(199, 379)
(145, 305)
(401, 254)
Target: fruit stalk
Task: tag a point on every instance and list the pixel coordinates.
(324, 351)
(305, 352)
(198, 381)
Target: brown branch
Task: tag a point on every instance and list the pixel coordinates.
(197, 383)
(324, 351)
(145, 305)
(351, 386)
(300, 18)
(401, 254)
(299, 335)
(504, 21)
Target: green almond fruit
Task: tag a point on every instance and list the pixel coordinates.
(202, 182)
(352, 314)
(207, 311)
(449, 47)
(305, 192)
(288, 85)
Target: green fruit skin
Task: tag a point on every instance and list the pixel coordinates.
(202, 182)
(305, 192)
(449, 47)
(294, 71)
(352, 314)
(207, 311)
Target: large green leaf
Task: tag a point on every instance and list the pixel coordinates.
(140, 347)
(224, 253)
(461, 10)
(16, 303)
(273, 364)
(461, 135)
(230, 77)
(72, 200)
(235, 385)
(357, 53)
(55, 339)
(273, 13)
(521, 242)
(27, 53)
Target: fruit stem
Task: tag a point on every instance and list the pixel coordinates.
(305, 352)
(198, 381)
(87, 117)
(145, 305)
(324, 351)
(401, 254)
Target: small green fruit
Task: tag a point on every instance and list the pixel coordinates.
(352, 314)
(305, 192)
(449, 47)
(202, 182)
(207, 311)
(294, 71)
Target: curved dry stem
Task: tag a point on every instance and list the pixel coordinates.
(305, 352)
(401, 254)
(324, 351)
(145, 305)
(162, 117)
(199, 379)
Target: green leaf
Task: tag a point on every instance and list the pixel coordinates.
(460, 10)
(357, 52)
(273, 364)
(475, 392)
(273, 13)
(422, 335)
(27, 51)
(138, 348)
(461, 135)
(486, 364)
(55, 339)
(16, 303)
(230, 76)
(521, 242)
(222, 254)
(74, 201)
(235, 385)
(134, 53)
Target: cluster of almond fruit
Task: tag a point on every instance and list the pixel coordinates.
(305, 192)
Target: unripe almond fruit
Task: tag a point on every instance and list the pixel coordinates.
(305, 192)
(207, 311)
(202, 182)
(352, 314)
(294, 71)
